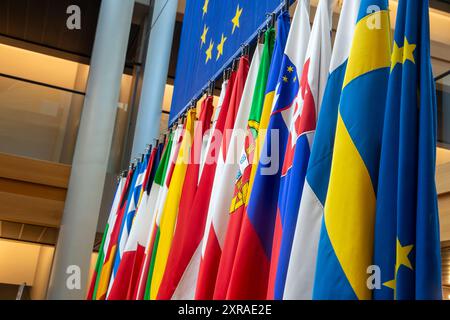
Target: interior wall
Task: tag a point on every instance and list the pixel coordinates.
(18, 262)
(41, 122)
(51, 70)
(24, 262)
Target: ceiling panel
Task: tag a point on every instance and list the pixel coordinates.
(446, 266)
(43, 22)
(35, 234)
(32, 233)
(10, 230)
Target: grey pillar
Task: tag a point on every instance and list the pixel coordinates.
(155, 74)
(84, 195)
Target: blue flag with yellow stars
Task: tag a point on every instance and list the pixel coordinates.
(213, 32)
(407, 245)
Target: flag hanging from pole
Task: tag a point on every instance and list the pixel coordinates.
(407, 245)
(156, 193)
(179, 255)
(224, 193)
(134, 250)
(249, 156)
(146, 274)
(346, 242)
(170, 211)
(242, 184)
(127, 222)
(302, 265)
(211, 249)
(149, 209)
(301, 134)
(106, 238)
(250, 272)
(104, 276)
(190, 262)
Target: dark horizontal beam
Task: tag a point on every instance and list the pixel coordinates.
(442, 5)
(41, 84)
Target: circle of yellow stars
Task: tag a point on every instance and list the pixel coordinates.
(235, 21)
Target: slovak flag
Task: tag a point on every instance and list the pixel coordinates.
(249, 279)
(314, 76)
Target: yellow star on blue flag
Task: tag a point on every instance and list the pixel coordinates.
(205, 7)
(209, 51)
(236, 18)
(220, 47)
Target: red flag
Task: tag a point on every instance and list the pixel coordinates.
(211, 250)
(179, 257)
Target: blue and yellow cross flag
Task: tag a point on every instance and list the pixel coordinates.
(407, 246)
(346, 242)
(212, 35)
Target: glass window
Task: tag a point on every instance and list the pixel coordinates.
(38, 121)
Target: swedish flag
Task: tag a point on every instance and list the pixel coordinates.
(346, 242)
(407, 247)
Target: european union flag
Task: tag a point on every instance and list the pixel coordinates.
(407, 245)
(213, 32)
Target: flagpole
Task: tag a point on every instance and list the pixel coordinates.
(155, 74)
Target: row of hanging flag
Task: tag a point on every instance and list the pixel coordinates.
(331, 193)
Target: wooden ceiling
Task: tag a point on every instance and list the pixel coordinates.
(43, 23)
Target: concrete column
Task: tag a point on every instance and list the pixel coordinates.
(84, 195)
(155, 74)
